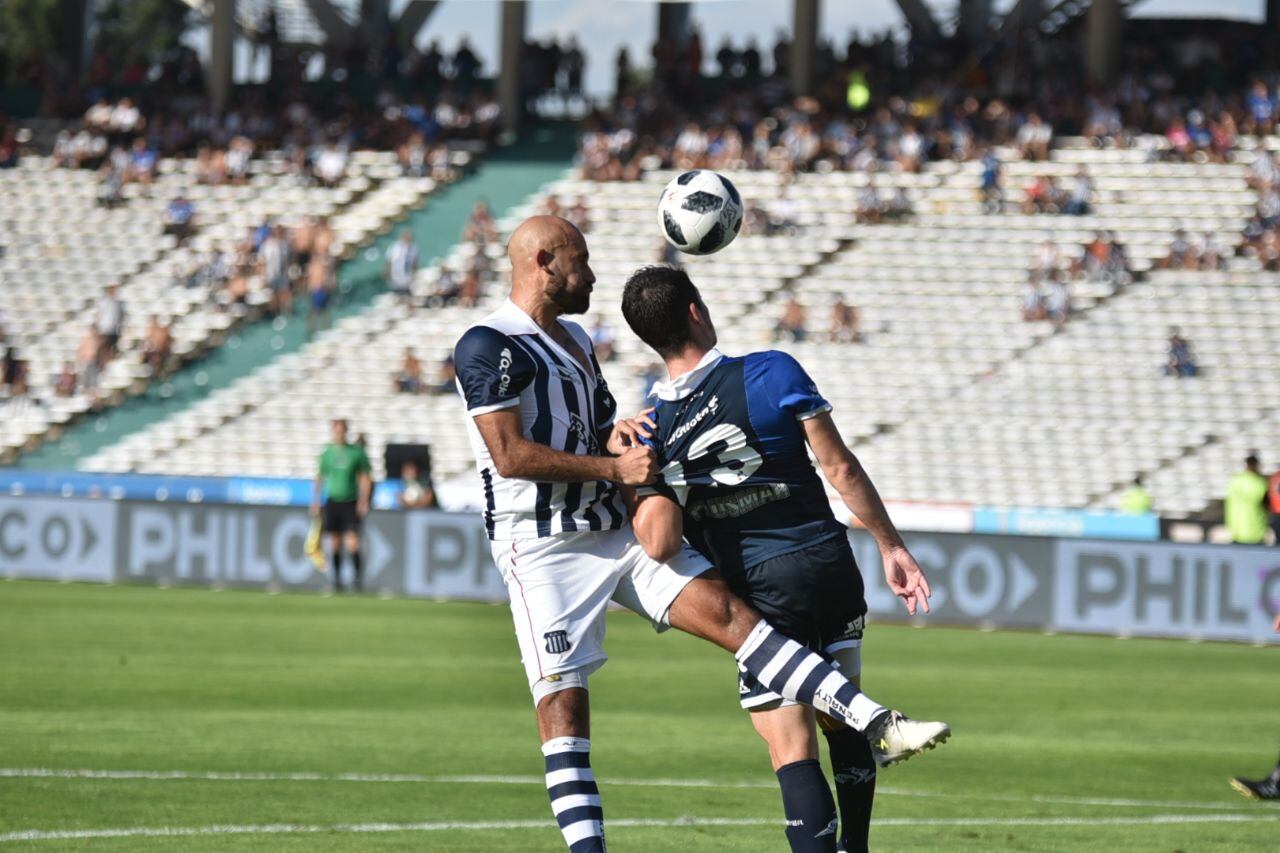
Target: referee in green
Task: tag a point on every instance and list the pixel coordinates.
(343, 477)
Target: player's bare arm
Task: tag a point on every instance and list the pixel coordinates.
(659, 526)
(846, 474)
(516, 457)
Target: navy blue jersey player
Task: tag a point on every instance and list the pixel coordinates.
(733, 436)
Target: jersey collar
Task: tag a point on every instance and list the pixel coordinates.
(686, 383)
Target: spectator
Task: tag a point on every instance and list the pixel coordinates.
(1181, 361)
(179, 218)
(992, 194)
(602, 338)
(1057, 299)
(447, 289)
(580, 215)
(1046, 257)
(1080, 196)
(1181, 255)
(273, 259)
(1245, 506)
(331, 165)
(791, 325)
(846, 323)
(108, 320)
(402, 266)
(64, 384)
(469, 290)
(1102, 259)
(1033, 309)
(9, 148)
(480, 228)
(408, 378)
(89, 360)
(157, 346)
(112, 177)
(1034, 139)
(1041, 195)
(1210, 254)
(142, 163)
(415, 493)
(13, 370)
(1135, 500)
(446, 377)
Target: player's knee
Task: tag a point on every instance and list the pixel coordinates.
(562, 706)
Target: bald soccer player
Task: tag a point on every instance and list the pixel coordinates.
(555, 468)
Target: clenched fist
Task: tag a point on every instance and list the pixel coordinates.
(638, 466)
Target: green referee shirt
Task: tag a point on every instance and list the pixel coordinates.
(340, 468)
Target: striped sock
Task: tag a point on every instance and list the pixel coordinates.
(793, 672)
(575, 799)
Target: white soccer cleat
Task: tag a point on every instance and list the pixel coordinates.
(896, 737)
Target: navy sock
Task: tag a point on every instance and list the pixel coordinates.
(810, 810)
(854, 771)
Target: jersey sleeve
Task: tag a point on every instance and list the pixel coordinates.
(792, 389)
(670, 482)
(492, 370)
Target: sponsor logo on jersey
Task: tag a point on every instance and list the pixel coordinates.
(557, 642)
(684, 428)
(504, 367)
(580, 431)
(739, 503)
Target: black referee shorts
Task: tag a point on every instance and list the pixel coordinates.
(340, 517)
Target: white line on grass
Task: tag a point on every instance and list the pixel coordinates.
(464, 826)
(253, 776)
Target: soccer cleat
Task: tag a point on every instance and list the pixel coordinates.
(896, 737)
(1260, 789)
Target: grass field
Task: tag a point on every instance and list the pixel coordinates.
(309, 723)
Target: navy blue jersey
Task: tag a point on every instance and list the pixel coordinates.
(731, 446)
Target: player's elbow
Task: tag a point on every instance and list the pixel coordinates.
(663, 549)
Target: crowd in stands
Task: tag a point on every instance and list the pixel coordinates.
(287, 263)
(741, 116)
(844, 326)
(1261, 237)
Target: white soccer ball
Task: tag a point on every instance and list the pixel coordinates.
(700, 212)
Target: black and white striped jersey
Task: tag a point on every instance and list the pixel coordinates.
(506, 360)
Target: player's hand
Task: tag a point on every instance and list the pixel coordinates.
(637, 466)
(630, 432)
(362, 508)
(315, 510)
(906, 579)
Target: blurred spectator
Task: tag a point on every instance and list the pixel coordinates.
(112, 176)
(157, 345)
(791, 325)
(273, 259)
(402, 266)
(846, 323)
(9, 148)
(1034, 139)
(470, 289)
(13, 370)
(415, 493)
(1181, 361)
(446, 378)
(64, 383)
(1245, 506)
(602, 337)
(1046, 257)
(579, 214)
(408, 378)
(142, 163)
(1135, 500)
(1057, 299)
(1181, 255)
(89, 360)
(1032, 302)
(1080, 196)
(1041, 195)
(992, 194)
(447, 288)
(480, 228)
(179, 217)
(1210, 253)
(1102, 259)
(331, 165)
(108, 320)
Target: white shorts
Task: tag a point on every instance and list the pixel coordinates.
(560, 587)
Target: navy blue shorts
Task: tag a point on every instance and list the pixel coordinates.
(815, 596)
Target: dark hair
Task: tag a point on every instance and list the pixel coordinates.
(1252, 460)
(656, 304)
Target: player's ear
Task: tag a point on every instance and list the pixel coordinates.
(543, 259)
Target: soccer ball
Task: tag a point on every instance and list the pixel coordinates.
(700, 212)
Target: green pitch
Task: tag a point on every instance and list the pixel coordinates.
(1061, 743)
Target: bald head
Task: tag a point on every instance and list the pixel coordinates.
(549, 269)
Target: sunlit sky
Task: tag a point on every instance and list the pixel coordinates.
(603, 25)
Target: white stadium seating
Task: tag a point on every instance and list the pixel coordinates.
(950, 397)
